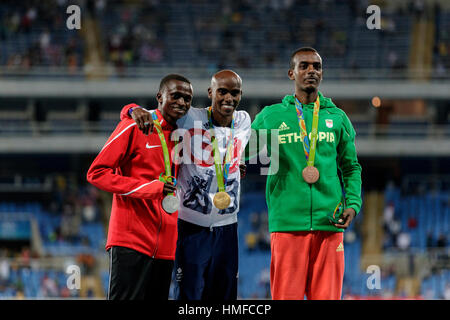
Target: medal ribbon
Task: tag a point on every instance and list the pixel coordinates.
(310, 150)
(167, 177)
(332, 215)
(221, 172)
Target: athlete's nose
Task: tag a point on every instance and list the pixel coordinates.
(181, 101)
(228, 99)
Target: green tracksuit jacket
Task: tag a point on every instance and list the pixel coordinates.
(293, 204)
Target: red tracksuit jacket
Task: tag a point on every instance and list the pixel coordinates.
(129, 166)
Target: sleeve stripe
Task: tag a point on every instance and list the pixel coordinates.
(141, 186)
(133, 124)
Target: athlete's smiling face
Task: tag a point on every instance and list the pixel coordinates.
(306, 70)
(225, 93)
(174, 100)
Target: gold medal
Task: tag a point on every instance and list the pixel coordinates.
(310, 174)
(221, 200)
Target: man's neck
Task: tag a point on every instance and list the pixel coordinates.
(306, 97)
(167, 118)
(219, 120)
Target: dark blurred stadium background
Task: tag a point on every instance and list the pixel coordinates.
(61, 92)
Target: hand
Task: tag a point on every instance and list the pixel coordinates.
(143, 120)
(242, 169)
(346, 218)
(169, 187)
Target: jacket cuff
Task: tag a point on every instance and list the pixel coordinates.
(355, 207)
(125, 112)
(134, 106)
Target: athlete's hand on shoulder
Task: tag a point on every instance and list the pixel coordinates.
(169, 187)
(347, 216)
(143, 120)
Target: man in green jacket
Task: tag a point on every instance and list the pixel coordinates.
(314, 191)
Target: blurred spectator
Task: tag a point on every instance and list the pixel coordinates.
(49, 288)
(441, 241)
(418, 7)
(392, 59)
(70, 223)
(388, 215)
(430, 240)
(89, 212)
(89, 200)
(264, 281)
(263, 240)
(388, 25)
(151, 53)
(350, 236)
(4, 267)
(404, 241)
(33, 31)
(394, 229)
(251, 240)
(254, 220)
(390, 225)
(87, 263)
(25, 256)
(144, 33)
(412, 222)
(447, 292)
(439, 69)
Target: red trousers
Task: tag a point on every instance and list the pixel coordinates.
(307, 263)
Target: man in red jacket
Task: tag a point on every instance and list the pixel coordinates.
(134, 167)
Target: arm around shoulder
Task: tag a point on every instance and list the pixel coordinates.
(104, 174)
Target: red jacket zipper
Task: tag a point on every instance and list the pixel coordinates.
(157, 234)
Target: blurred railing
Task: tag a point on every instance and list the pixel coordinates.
(81, 128)
(429, 131)
(88, 137)
(274, 73)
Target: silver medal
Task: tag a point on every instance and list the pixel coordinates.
(170, 203)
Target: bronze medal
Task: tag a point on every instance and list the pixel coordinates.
(310, 174)
(221, 200)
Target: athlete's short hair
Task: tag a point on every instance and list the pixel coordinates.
(172, 76)
(302, 49)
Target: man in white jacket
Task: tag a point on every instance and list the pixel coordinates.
(206, 263)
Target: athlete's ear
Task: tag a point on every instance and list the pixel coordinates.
(159, 97)
(210, 93)
(291, 74)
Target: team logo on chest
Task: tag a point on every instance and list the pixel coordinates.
(283, 126)
(329, 123)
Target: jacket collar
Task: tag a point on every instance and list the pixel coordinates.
(324, 101)
(164, 123)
